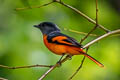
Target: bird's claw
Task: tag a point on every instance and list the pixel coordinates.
(70, 57)
(59, 63)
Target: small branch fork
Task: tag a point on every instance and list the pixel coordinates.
(94, 28)
(52, 67)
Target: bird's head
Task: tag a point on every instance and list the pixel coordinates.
(47, 27)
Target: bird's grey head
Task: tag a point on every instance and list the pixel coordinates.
(47, 27)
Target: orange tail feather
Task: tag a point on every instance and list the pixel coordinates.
(94, 60)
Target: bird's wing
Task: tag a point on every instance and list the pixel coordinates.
(62, 39)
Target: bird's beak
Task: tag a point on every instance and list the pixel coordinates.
(36, 26)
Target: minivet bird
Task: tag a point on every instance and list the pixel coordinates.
(60, 43)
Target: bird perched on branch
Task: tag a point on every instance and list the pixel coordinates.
(60, 43)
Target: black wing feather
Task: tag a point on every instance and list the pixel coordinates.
(69, 39)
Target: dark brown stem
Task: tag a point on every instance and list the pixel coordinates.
(77, 69)
(96, 12)
(83, 39)
(3, 66)
(94, 28)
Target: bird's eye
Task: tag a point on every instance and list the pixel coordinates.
(43, 24)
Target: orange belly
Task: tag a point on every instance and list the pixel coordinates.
(60, 49)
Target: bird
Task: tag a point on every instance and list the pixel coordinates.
(61, 44)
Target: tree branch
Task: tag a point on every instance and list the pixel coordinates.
(77, 69)
(82, 14)
(83, 33)
(101, 37)
(3, 78)
(66, 5)
(3, 66)
(52, 68)
(83, 39)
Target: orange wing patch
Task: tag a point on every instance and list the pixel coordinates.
(60, 40)
(57, 49)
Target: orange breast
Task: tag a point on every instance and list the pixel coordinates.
(57, 49)
(60, 49)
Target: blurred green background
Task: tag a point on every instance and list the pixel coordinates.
(21, 44)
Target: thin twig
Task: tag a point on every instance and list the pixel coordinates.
(83, 33)
(101, 37)
(94, 28)
(52, 68)
(96, 13)
(34, 6)
(82, 14)
(3, 66)
(83, 39)
(78, 69)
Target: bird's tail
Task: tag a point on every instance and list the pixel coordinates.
(94, 60)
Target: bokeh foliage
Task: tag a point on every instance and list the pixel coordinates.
(21, 43)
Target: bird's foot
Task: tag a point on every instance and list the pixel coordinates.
(70, 57)
(59, 63)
